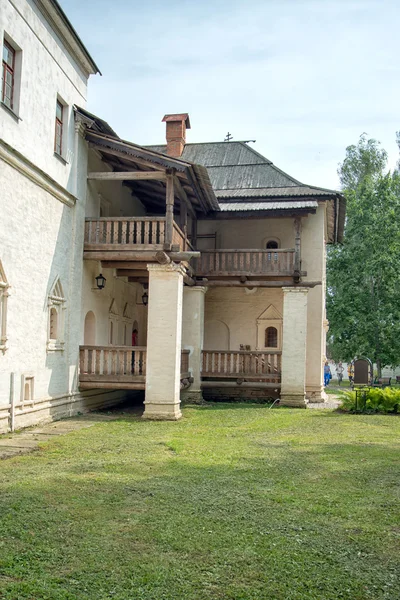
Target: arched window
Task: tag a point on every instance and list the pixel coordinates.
(271, 337)
(3, 308)
(56, 307)
(272, 245)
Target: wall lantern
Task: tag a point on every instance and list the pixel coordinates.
(100, 281)
(145, 298)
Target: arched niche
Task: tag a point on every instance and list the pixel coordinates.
(216, 335)
(89, 338)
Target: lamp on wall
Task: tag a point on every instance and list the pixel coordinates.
(100, 281)
(145, 296)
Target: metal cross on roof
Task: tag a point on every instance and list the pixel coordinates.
(228, 137)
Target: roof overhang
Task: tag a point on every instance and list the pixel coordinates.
(59, 21)
(193, 178)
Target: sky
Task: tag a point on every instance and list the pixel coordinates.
(304, 78)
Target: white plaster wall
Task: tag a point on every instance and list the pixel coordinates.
(99, 301)
(47, 70)
(239, 310)
(247, 233)
(116, 196)
(35, 250)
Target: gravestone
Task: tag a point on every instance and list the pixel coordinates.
(362, 371)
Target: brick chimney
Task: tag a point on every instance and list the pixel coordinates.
(176, 133)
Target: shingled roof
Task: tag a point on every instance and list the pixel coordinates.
(239, 173)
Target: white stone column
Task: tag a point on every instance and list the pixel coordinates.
(192, 337)
(164, 333)
(294, 346)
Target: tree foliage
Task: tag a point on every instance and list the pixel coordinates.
(363, 274)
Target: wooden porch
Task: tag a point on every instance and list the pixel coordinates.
(118, 367)
(242, 365)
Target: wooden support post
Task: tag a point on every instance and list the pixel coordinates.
(297, 249)
(169, 212)
(194, 233)
(184, 223)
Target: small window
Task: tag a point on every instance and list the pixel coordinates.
(271, 337)
(56, 307)
(111, 338)
(272, 245)
(8, 75)
(27, 388)
(58, 140)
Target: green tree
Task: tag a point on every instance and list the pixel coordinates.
(363, 274)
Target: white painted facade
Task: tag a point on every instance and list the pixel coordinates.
(44, 200)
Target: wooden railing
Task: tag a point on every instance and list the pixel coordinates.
(129, 233)
(112, 233)
(178, 238)
(241, 364)
(117, 364)
(185, 362)
(245, 262)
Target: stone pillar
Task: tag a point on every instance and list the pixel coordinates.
(192, 337)
(294, 346)
(164, 333)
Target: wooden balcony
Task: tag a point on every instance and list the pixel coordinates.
(106, 236)
(246, 263)
(117, 367)
(242, 365)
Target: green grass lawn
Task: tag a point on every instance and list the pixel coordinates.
(232, 502)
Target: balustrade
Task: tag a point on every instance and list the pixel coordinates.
(245, 262)
(241, 364)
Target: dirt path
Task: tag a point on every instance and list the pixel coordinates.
(29, 440)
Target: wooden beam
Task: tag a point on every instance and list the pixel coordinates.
(250, 284)
(123, 265)
(183, 196)
(297, 249)
(132, 273)
(120, 256)
(182, 256)
(124, 156)
(169, 213)
(127, 175)
(114, 385)
(163, 258)
(188, 280)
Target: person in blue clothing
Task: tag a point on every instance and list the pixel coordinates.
(327, 374)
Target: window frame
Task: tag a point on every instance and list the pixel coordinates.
(267, 339)
(56, 303)
(59, 123)
(11, 70)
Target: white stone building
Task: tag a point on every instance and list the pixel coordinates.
(213, 259)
